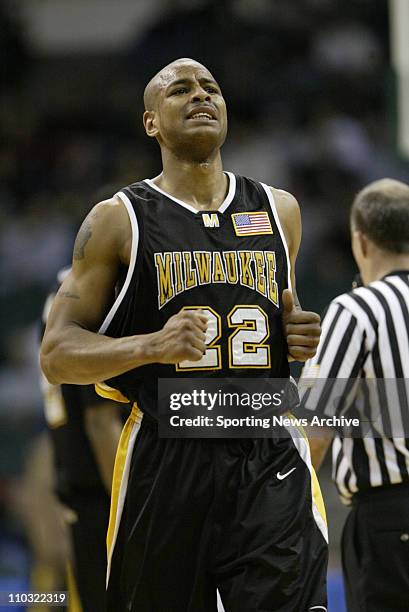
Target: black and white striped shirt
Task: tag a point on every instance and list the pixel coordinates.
(365, 346)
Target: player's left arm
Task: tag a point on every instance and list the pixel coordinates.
(302, 328)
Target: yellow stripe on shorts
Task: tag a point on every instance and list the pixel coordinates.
(318, 507)
(120, 478)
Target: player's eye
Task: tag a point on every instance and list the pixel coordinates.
(211, 89)
(179, 91)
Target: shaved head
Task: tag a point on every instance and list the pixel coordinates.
(163, 78)
(172, 97)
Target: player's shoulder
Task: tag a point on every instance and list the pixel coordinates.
(104, 231)
(285, 203)
(140, 192)
(112, 210)
(285, 199)
(110, 207)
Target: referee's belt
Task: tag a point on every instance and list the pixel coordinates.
(382, 492)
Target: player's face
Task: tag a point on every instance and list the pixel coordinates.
(190, 108)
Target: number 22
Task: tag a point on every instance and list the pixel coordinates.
(246, 344)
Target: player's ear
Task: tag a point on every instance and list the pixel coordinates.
(361, 242)
(356, 242)
(149, 122)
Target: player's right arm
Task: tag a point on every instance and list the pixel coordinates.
(72, 351)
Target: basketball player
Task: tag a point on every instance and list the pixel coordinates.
(206, 260)
(84, 430)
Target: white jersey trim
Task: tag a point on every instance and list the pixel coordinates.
(224, 205)
(134, 251)
(230, 194)
(270, 196)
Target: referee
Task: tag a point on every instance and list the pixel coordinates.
(364, 352)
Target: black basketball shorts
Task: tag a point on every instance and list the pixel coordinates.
(88, 535)
(193, 520)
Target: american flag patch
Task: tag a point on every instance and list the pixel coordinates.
(248, 224)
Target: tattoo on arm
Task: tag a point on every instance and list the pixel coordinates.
(84, 235)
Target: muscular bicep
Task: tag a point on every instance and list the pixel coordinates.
(84, 299)
(100, 250)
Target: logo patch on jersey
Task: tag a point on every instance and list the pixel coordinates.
(251, 223)
(210, 220)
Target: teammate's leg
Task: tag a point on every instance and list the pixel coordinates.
(88, 537)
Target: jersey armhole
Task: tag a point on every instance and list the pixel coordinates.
(132, 263)
(271, 201)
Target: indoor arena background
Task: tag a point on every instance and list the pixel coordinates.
(311, 88)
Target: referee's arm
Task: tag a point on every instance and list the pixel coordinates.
(339, 357)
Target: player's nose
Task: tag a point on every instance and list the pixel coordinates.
(199, 94)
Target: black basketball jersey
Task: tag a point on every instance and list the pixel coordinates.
(232, 263)
(76, 467)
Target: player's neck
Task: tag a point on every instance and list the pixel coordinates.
(201, 184)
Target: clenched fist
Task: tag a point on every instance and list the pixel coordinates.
(182, 337)
(301, 328)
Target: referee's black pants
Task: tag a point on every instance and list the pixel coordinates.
(375, 551)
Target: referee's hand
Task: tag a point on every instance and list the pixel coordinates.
(301, 328)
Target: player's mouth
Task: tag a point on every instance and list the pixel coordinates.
(202, 114)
